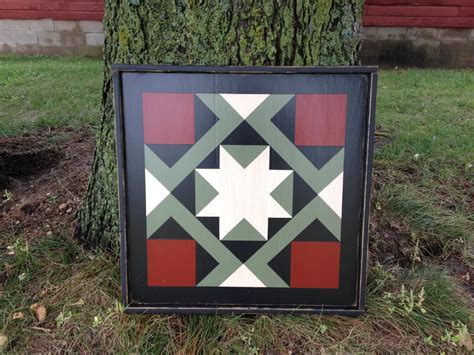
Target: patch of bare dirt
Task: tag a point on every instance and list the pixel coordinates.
(22, 157)
(383, 137)
(390, 241)
(44, 178)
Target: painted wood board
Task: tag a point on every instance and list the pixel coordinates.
(244, 189)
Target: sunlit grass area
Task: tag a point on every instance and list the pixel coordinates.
(42, 92)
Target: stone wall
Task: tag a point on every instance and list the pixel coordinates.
(51, 37)
(384, 46)
(418, 47)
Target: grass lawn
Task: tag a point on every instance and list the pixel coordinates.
(421, 233)
(48, 92)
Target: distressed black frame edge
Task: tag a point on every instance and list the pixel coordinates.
(120, 155)
(245, 69)
(369, 150)
(242, 310)
(359, 307)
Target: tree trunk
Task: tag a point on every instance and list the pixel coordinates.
(225, 32)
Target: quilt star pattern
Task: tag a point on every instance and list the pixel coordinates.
(243, 190)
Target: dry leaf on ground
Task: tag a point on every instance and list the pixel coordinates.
(18, 315)
(3, 341)
(41, 313)
(466, 341)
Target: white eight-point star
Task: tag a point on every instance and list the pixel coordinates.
(244, 192)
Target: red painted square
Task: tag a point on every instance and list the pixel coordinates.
(168, 118)
(320, 120)
(171, 262)
(315, 264)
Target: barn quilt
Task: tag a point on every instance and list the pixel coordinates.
(241, 189)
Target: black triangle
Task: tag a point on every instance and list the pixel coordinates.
(205, 263)
(211, 223)
(170, 230)
(275, 224)
(277, 162)
(169, 153)
(185, 193)
(244, 134)
(316, 232)
(211, 161)
(302, 193)
(285, 120)
(319, 156)
(281, 264)
(243, 250)
(204, 119)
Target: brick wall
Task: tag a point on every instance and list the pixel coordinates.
(51, 37)
(92, 10)
(51, 27)
(419, 13)
(418, 47)
(422, 33)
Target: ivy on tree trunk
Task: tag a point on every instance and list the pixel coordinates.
(218, 32)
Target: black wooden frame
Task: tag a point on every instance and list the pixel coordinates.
(372, 74)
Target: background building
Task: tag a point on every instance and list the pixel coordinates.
(51, 27)
(423, 33)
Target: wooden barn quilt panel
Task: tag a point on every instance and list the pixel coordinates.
(243, 191)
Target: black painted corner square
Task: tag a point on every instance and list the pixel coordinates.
(244, 189)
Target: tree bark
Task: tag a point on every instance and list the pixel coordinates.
(225, 32)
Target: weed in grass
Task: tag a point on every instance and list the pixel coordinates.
(23, 259)
(7, 195)
(62, 318)
(458, 336)
(51, 199)
(405, 301)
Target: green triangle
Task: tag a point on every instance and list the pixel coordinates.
(205, 193)
(244, 154)
(244, 231)
(283, 194)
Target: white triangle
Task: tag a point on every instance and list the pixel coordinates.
(244, 104)
(276, 177)
(155, 192)
(275, 210)
(242, 277)
(332, 194)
